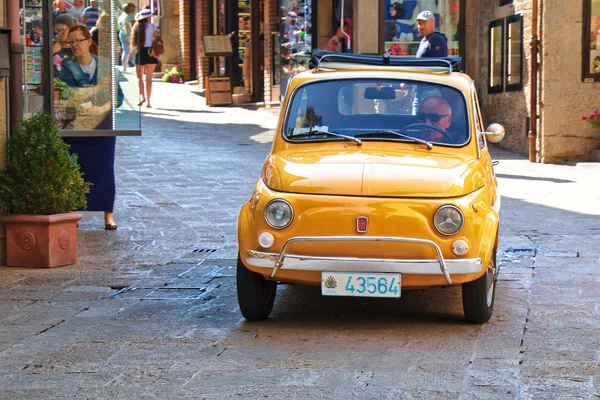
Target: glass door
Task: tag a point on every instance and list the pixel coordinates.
(244, 18)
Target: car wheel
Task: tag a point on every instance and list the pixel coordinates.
(256, 295)
(478, 296)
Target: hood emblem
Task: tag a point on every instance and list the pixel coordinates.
(362, 224)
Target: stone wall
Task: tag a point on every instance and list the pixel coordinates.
(510, 108)
(324, 28)
(185, 21)
(366, 26)
(271, 25)
(564, 98)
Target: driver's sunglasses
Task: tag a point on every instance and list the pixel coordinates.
(72, 42)
(431, 116)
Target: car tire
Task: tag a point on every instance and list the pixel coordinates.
(256, 295)
(478, 296)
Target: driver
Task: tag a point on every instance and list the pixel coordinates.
(436, 111)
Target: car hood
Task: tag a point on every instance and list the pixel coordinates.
(384, 174)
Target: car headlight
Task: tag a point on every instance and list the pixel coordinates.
(278, 214)
(448, 220)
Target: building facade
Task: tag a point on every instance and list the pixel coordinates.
(493, 37)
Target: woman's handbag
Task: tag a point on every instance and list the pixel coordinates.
(158, 47)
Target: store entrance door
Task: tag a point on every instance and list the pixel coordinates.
(245, 68)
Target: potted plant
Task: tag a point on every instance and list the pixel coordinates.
(62, 91)
(174, 75)
(41, 187)
(593, 119)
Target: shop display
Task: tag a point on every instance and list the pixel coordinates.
(402, 37)
(245, 43)
(32, 38)
(296, 38)
(33, 65)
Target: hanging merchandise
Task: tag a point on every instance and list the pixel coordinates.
(296, 38)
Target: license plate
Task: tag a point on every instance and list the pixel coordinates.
(360, 284)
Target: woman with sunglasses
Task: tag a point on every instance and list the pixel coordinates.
(90, 76)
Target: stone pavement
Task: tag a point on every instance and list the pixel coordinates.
(150, 310)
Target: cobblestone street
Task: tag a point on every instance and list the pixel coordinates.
(150, 310)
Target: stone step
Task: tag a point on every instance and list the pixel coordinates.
(164, 68)
(596, 155)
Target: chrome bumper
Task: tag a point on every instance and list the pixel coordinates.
(352, 264)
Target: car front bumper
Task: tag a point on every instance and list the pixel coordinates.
(278, 261)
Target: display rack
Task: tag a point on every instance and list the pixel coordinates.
(32, 37)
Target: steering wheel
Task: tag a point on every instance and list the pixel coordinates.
(435, 128)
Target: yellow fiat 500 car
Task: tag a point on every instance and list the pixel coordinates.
(379, 180)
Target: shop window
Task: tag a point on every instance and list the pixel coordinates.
(107, 104)
(506, 54)
(401, 36)
(591, 40)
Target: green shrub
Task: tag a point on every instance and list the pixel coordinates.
(41, 176)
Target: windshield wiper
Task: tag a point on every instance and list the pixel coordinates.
(399, 134)
(320, 132)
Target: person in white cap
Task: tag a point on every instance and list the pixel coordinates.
(434, 43)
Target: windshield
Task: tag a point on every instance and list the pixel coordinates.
(372, 109)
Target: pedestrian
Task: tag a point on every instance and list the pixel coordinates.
(125, 24)
(142, 34)
(59, 10)
(96, 154)
(336, 41)
(434, 43)
(91, 14)
(76, 11)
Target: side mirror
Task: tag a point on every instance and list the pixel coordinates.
(495, 133)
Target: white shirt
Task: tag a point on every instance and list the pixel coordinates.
(149, 34)
(75, 13)
(89, 69)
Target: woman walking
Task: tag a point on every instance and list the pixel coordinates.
(141, 39)
(125, 23)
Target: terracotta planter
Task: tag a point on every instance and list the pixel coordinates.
(41, 240)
